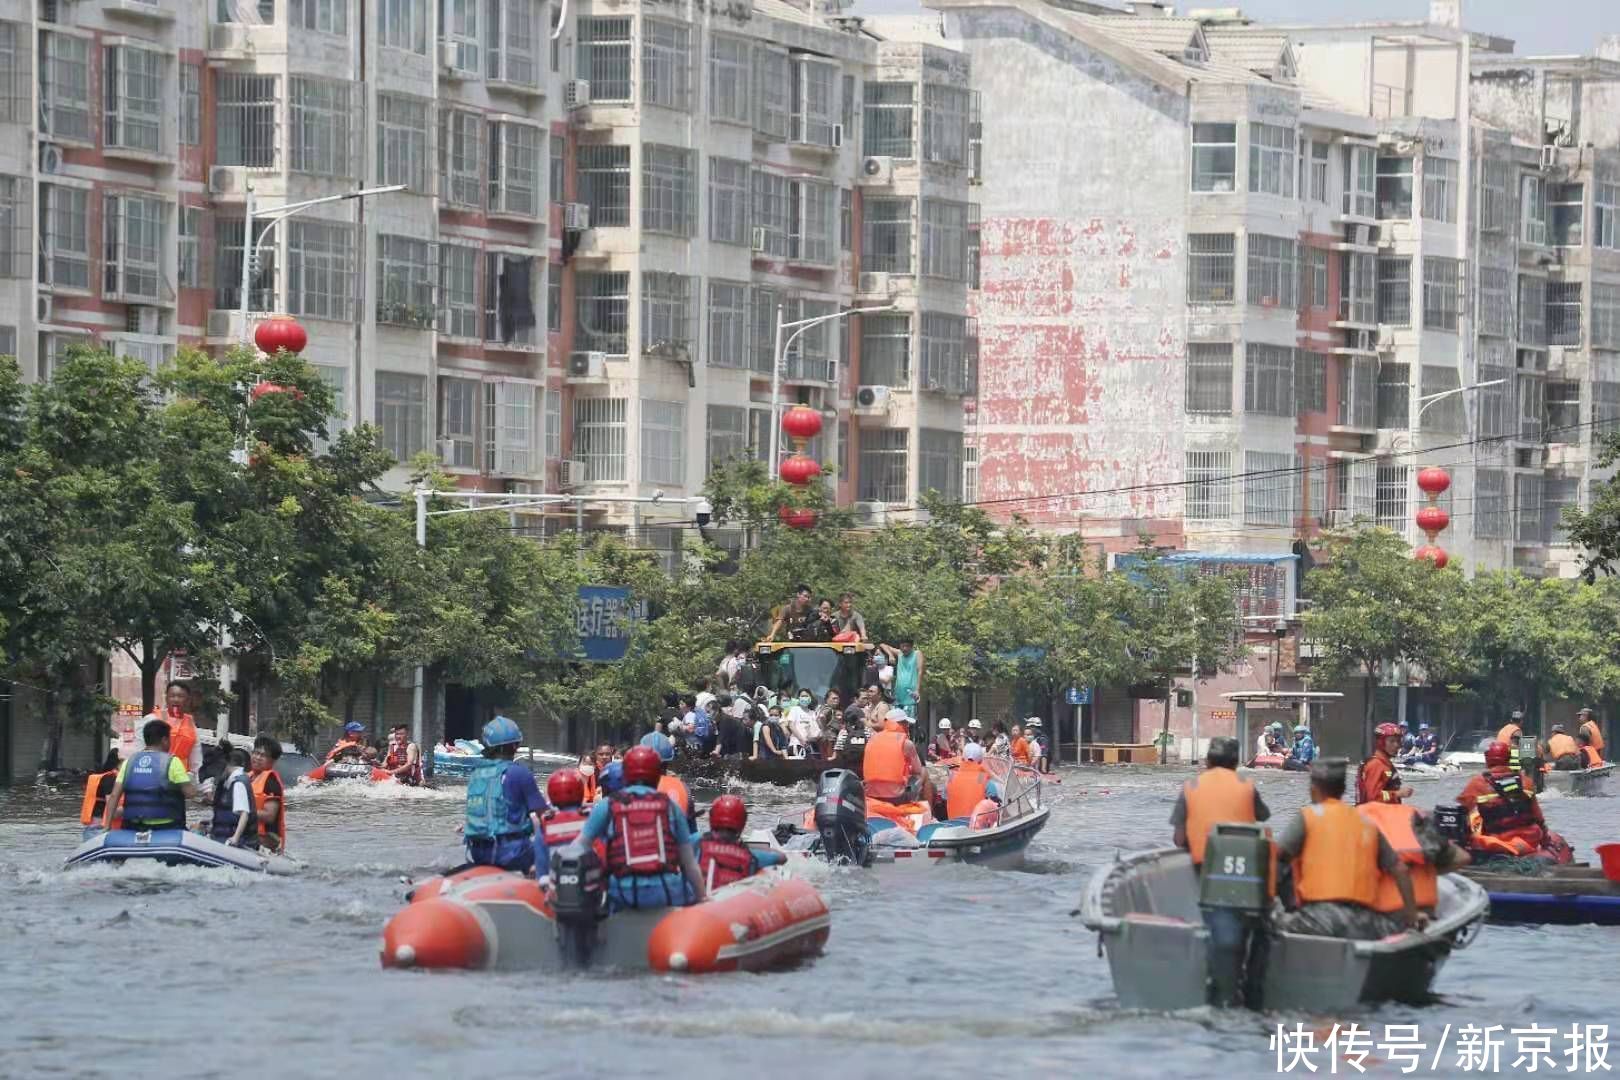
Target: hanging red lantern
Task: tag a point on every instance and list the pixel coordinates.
(799, 470)
(802, 422)
(280, 332)
(1432, 519)
(1433, 480)
(1436, 555)
(795, 517)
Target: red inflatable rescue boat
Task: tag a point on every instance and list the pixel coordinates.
(348, 770)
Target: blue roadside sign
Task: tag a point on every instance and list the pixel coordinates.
(1078, 696)
(606, 618)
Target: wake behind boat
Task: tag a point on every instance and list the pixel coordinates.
(175, 847)
(460, 758)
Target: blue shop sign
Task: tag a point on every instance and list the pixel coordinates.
(605, 620)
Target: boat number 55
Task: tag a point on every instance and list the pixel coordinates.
(1235, 864)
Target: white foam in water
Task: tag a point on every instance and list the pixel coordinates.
(307, 790)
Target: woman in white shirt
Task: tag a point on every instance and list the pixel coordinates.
(804, 731)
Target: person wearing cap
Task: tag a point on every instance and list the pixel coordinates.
(1303, 752)
(890, 766)
(1428, 744)
(1217, 795)
(351, 745)
(1035, 735)
(1592, 730)
(969, 784)
(1563, 751)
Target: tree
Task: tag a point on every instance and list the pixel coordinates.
(1596, 530)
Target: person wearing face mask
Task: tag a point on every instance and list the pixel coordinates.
(804, 732)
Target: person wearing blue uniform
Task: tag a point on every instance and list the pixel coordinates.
(1303, 751)
(1428, 744)
(152, 786)
(504, 803)
(651, 857)
(1408, 741)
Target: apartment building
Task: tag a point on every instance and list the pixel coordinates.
(576, 288)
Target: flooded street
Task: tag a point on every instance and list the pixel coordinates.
(954, 972)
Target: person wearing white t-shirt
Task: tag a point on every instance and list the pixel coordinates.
(804, 731)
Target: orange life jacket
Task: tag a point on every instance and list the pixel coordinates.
(1594, 733)
(95, 800)
(182, 735)
(590, 788)
(1020, 750)
(1339, 860)
(1217, 795)
(259, 782)
(1559, 744)
(1397, 824)
(1590, 758)
(676, 790)
(966, 789)
(884, 759)
(1509, 734)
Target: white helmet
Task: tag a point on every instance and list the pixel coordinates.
(974, 725)
(973, 752)
(1034, 721)
(945, 724)
(899, 715)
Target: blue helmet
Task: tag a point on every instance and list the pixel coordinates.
(354, 728)
(502, 732)
(1302, 728)
(612, 779)
(1424, 726)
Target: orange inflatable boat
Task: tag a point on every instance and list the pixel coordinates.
(489, 919)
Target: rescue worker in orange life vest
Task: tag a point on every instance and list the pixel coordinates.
(1426, 853)
(1217, 795)
(1510, 817)
(1378, 781)
(352, 745)
(970, 784)
(152, 785)
(1592, 730)
(1563, 751)
(1590, 758)
(183, 742)
(403, 758)
(722, 856)
(1338, 858)
(651, 861)
(97, 786)
(562, 824)
(269, 793)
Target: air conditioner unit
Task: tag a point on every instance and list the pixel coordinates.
(570, 474)
(1549, 157)
(577, 216)
(837, 136)
(874, 285)
(44, 307)
(577, 93)
(1386, 339)
(757, 240)
(871, 401)
(222, 180)
(871, 515)
(877, 170)
(146, 320)
(50, 159)
(587, 365)
(459, 59)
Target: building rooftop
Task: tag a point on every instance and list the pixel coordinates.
(1171, 36)
(1260, 49)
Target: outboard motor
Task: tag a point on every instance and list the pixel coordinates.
(1234, 893)
(1530, 761)
(1451, 822)
(579, 900)
(841, 817)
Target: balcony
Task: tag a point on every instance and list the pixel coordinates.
(143, 10)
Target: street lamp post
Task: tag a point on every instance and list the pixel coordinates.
(276, 215)
(1429, 399)
(779, 357)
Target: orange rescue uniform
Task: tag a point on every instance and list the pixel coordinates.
(1339, 860)
(1590, 758)
(676, 790)
(1020, 750)
(1372, 785)
(1559, 744)
(967, 789)
(1594, 733)
(95, 800)
(1398, 824)
(1218, 795)
(182, 734)
(1509, 734)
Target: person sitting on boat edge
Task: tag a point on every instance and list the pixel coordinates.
(504, 803)
(1506, 816)
(563, 820)
(770, 740)
(403, 758)
(1563, 751)
(152, 786)
(970, 784)
(269, 793)
(1428, 744)
(1426, 853)
(892, 770)
(1303, 752)
(351, 745)
(1337, 858)
(1592, 729)
(235, 821)
(722, 855)
(1377, 781)
(1035, 735)
(1214, 796)
(97, 786)
(651, 861)
(1590, 758)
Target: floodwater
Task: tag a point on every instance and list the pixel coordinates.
(955, 972)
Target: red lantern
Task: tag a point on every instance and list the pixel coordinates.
(280, 332)
(1431, 519)
(797, 517)
(1435, 555)
(799, 470)
(1433, 480)
(802, 422)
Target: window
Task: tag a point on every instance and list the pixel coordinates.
(402, 153)
(16, 247)
(599, 438)
(943, 344)
(244, 120)
(510, 53)
(319, 113)
(728, 201)
(847, 107)
(558, 163)
(1394, 188)
(458, 422)
(1490, 504)
(1605, 404)
(1314, 476)
(1558, 494)
(509, 291)
(812, 239)
(1496, 400)
(883, 465)
(944, 239)
(1441, 413)
(553, 424)
(806, 359)
(1360, 182)
(1268, 380)
(321, 265)
(1271, 271)
(945, 125)
(666, 310)
(1533, 210)
(1531, 391)
(133, 245)
(666, 64)
(16, 95)
(728, 324)
(1357, 484)
(974, 237)
(64, 230)
(1359, 303)
(510, 438)
(1532, 310)
(1527, 508)
(1209, 485)
(887, 116)
(64, 86)
(1495, 301)
(1606, 216)
(154, 354)
(227, 263)
(886, 351)
(1605, 320)
(323, 16)
(1390, 510)
(1318, 163)
(773, 212)
(406, 280)
(813, 101)
(402, 414)
(133, 83)
(772, 73)
(1563, 313)
(603, 173)
(1271, 160)
(1358, 392)
(668, 190)
(404, 25)
(461, 159)
(190, 104)
(1496, 180)
(1270, 489)
(1211, 268)
(1394, 290)
(730, 62)
(1442, 297)
(939, 463)
(1566, 206)
(1310, 381)
(1214, 157)
(663, 441)
(1439, 189)
(886, 236)
(604, 58)
(762, 329)
(188, 264)
(1563, 411)
(458, 290)
(554, 298)
(603, 312)
(1313, 279)
(727, 436)
(1209, 378)
(514, 169)
(1394, 395)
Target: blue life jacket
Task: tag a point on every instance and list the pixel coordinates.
(490, 813)
(223, 826)
(702, 724)
(1304, 750)
(149, 796)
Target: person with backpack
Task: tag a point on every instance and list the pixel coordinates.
(704, 734)
(504, 804)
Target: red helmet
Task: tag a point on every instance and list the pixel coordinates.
(642, 765)
(1498, 753)
(1386, 729)
(728, 812)
(565, 788)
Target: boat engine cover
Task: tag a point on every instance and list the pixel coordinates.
(1451, 821)
(840, 816)
(1237, 873)
(578, 885)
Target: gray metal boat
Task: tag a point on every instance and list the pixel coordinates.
(1145, 909)
(1593, 781)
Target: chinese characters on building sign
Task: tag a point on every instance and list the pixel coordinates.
(605, 619)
